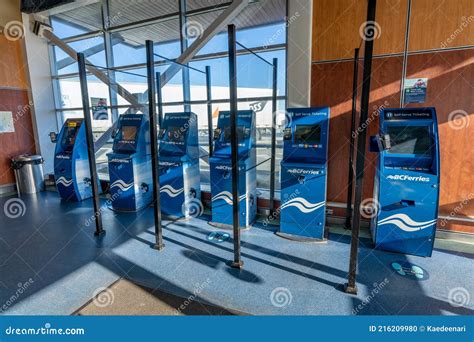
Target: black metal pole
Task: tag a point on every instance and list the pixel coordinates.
(99, 230)
(159, 96)
(352, 137)
(273, 151)
(237, 263)
(351, 286)
(209, 109)
(150, 66)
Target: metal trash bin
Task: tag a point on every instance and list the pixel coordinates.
(29, 173)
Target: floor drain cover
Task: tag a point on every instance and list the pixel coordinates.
(218, 236)
(409, 270)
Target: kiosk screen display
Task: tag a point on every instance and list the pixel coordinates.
(129, 133)
(228, 134)
(308, 134)
(409, 140)
(69, 137)
(176, 133)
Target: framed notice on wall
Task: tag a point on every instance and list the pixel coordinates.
(415, 90)
(6, 122)
(99, 108)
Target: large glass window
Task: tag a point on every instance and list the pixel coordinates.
(129, 44)
(93, 49)
(116, 46)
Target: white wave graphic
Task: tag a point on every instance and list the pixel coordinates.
(406, 219)
(121, 185)
(227, 197)
(303, 205)
(405, 223)
(64, 181)
(170, 191)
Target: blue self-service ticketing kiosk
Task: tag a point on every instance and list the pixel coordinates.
(131, 180)
(71, 162)
(221, 170)
(407, 181)
(304, 173)
(179, 165)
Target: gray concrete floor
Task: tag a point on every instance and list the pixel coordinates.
(125, 297)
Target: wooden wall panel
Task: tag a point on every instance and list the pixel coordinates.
(391, 15)
(337, 23)
(332, 86)
(13, 68)
(451, 89)
(10, 11)
(450, 86)
(433, 22)
(336, 28)
(22, 140)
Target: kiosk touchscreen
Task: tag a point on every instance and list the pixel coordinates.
(406, 187)
(221, 170)
(180, 192)
(304, 173)
(131, 179)
(71, 162)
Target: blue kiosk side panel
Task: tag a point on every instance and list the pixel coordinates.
(304, 173)
(407, 182)
(71, 162)
(221, 170)
(131, 185)
(180, 190)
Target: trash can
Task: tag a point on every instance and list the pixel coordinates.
(29, 173)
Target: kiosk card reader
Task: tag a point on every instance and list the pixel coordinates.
(71, 163)
(304, 173)
(131, 179)
(179, 165)
(221, 170)
(406, 188)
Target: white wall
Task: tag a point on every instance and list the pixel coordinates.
(43, 108)
(300, 14)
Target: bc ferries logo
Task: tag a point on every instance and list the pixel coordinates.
(121, 185)
(64, 181)
(409, 178)
(405, 223)
(122, 161)
(170, 191)
(226, 196)
(165, 163)
(63, 156)
(303, 205)
(226, 168)
(304, 172)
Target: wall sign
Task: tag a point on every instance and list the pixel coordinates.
(415, 90)
(99, 108)
(6, 122)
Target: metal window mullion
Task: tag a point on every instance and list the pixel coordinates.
(184, 45)
(109, 57)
